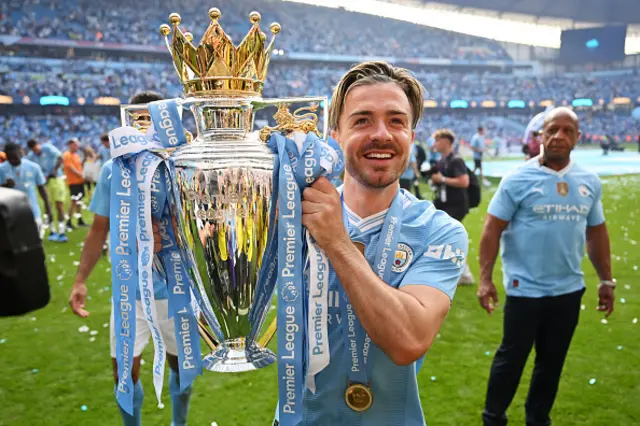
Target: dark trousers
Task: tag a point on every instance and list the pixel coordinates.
(547, 322)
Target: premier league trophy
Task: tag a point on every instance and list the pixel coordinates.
(224, 178)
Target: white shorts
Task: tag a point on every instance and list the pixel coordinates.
(91, 172)
(143, 332)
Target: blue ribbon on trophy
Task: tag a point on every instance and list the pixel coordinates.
(133, 204)
(299, 162)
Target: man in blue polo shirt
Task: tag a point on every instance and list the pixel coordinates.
(544, 213)
(25, 175)
(91, 253)
(49, 158)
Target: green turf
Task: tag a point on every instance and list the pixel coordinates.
(72, 371)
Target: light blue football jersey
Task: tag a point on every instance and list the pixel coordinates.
(477, 141)
(104, 153)
(100, 205)
(27, 177)
(431, 251)
(47, 159)
(548, 213)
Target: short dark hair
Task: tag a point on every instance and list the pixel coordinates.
(480, 128)
(446, 134)
(11, 147)
(73, 140)
(31, 143)
(145, 96)
(104, 137)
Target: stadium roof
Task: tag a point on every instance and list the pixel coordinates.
(600, 11)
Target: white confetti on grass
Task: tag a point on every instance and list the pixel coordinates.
(592, 381)
(92, 339)
(93, 332)
(635, 321)
(604, 321)
(620, 347)
(582, 307)
(76, 263)
(83, 329)
(623, 300)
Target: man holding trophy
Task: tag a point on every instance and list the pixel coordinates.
(364, 276)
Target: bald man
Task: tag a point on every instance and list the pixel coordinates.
(543, 214)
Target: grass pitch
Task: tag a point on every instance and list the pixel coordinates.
(51, 371)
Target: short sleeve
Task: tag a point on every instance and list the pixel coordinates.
(457, 168)
(102, 194)
(443, 261)
(596, 214)
(38, 175)
(53, 151)
(502, 205)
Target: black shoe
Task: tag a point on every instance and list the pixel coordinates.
(70, 225)
(82, 223)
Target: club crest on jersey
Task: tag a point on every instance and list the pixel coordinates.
(584, 191)
(402, 259)
(563, 188)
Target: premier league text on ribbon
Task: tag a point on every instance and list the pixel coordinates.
(289, 273)
(388, 239)
(123, 249)
(145, 171)
(318, 294)
(185, 324)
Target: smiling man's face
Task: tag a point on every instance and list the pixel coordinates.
(375, 132)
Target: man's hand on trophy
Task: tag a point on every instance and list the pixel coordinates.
(77, 299)
(322, 214)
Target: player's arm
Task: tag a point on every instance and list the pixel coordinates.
(461, 179)
(501, 210)
(598, 249)
(402, 322)
(599, 252)
(91, 252)
(45, 199)
(56, 167)
(489, 246)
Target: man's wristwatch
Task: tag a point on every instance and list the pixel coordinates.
(608, 283)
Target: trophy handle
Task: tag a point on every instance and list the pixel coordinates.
(214, 345)
(297, 121)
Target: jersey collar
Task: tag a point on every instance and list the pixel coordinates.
(559, 173)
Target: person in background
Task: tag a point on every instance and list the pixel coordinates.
(91, 168)
(104, 151)
(25, 175)
(91, 251)
(409, 179)
(49, 158)
(542, 214)
(75, 180)
(478, 147)
(450, 181)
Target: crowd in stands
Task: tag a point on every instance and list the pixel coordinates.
(508, 129)
(306, 28)
(76, 78)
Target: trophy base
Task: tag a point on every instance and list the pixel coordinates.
(234, 357)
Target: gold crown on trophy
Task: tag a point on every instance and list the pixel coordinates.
(216, 67)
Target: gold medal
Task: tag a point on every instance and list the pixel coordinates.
(358, 397)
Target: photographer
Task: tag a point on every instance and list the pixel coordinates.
(450, 180)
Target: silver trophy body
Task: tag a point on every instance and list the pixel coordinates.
(224, 180)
